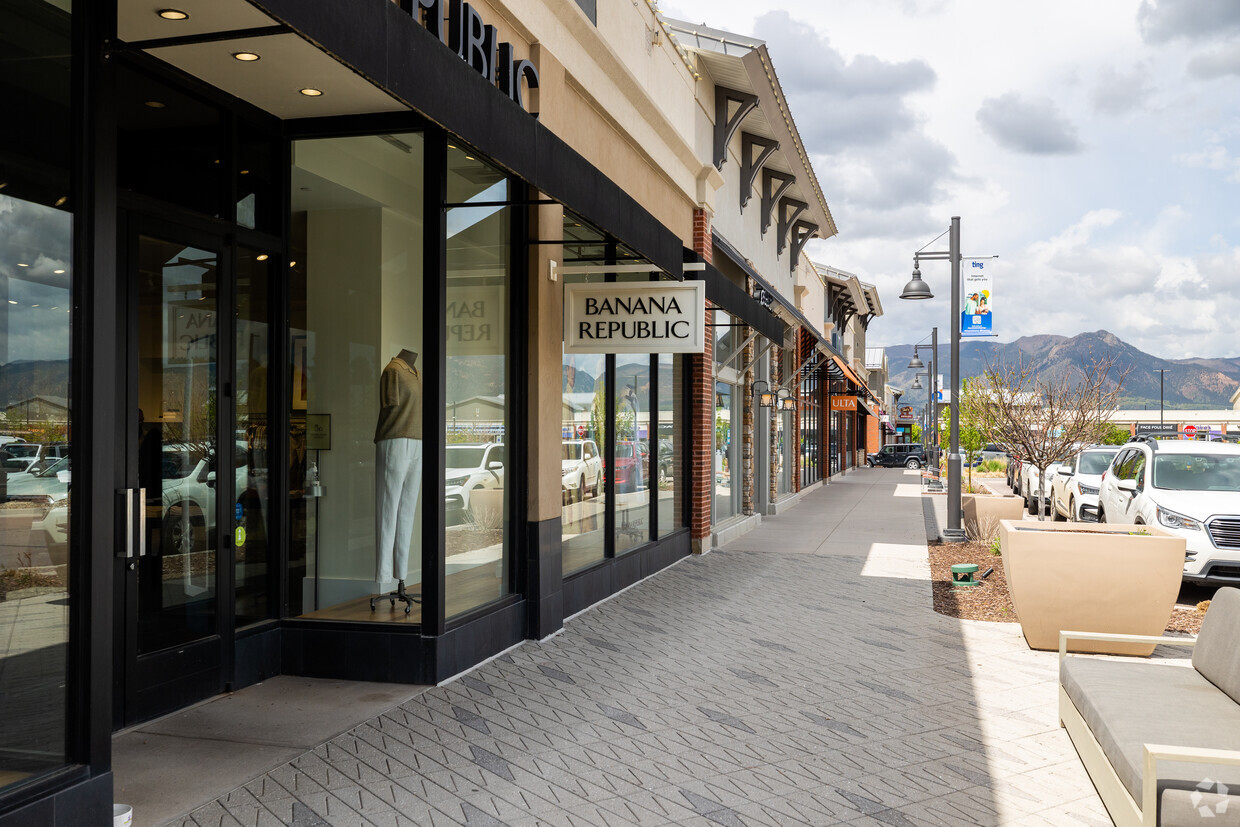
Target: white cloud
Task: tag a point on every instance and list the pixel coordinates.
(1164, 20)
(1216, 64)
(1032, 125)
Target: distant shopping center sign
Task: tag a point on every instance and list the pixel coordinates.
(1157, 429)
(641, 317)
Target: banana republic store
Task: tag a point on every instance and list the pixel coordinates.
(274, 276)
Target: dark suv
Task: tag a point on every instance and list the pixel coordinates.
(895, 456)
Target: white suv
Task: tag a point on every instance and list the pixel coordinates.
(1191, 489)
(1074, 490)
(581, 469)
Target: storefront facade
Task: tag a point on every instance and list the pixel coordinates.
(276, 274)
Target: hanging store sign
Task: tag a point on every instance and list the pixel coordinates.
(843, 403)
(975, 318)
(642, 317)
(461, 28)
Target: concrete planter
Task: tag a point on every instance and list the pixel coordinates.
(982, 512)
(1091, 577)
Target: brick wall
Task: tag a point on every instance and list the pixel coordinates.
(701, 412)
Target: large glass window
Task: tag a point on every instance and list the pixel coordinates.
(668, 448)
(727, 450)
(584, 431)
(631, 459)
(36, 235)
(254, 584)
(357, 319)
(476, 500)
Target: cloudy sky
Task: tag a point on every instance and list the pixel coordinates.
(1094, 146)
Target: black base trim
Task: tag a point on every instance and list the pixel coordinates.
(584, 589)
(87, 802)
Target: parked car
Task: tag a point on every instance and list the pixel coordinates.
(467, 468)
(1029, 476)
(666, 460)
(187, 516)
(906, 455)
(628, 468)
(581, 468)
(1074, 490)
(1188, 488)
(992, 451)
(47, 482)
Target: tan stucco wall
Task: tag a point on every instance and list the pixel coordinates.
(622, 102)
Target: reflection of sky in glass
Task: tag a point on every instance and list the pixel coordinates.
(35, 244)
(462, 218)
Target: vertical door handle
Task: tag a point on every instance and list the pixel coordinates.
(124, 502)
(140, 515)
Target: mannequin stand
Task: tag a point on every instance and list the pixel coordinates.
(400, 595)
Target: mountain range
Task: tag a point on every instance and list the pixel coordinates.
(1188, 383)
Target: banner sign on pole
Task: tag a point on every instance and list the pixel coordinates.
(975, 316)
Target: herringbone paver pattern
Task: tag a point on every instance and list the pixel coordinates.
(743, 687)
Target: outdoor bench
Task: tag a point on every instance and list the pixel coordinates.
(1161, 742)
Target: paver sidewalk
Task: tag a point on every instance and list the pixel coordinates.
(797, 676)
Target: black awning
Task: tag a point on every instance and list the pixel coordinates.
(386, 46)
(725, 294)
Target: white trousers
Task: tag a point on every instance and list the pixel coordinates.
(398, 476)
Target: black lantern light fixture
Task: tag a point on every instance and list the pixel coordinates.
(787, 402)
(765, 396)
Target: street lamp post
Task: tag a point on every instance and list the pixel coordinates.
(932, 442)
(918, 289)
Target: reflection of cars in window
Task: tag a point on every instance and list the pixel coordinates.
(581, 469)
(187, 515)
(467, 468)
(628, 467)
(46, 482)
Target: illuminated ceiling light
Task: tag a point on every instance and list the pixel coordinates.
(311, 92)
(470, 158)
(12, 302)
(262, 257)
(173, 14)
(22, 264)
(154, 104)
(55, 308)
(34, 305)
(61, 200)
(245, 172)
(57, 272)
(292, 264)
(246, 57)
(3, 184)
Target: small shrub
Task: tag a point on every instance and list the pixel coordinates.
(996, 547)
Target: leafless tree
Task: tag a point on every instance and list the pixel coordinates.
(1045, 417)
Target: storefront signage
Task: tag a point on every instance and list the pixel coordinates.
(648, 317)
(843, 403)
(975, 319)
(906, 412)
(461, 28)
(475, 321)
(1155, 429)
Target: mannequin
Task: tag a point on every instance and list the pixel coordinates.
(398, 470)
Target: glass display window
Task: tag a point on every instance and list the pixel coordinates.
(355, 433)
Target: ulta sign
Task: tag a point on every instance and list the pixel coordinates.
(460, 27)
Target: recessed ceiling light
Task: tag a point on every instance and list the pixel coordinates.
(262, 257)
(34, 305)
(3, 184)
(22, 264)
(246, 57)
(173, 14)
(61, 200)
(154, 104)
(57, 272)
(292, 264)
(12, 302)
(245, 172)
(311, 92)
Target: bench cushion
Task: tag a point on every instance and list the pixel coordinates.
(1216, 655)
(1129, 704)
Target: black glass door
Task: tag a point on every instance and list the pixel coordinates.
(175, 518)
